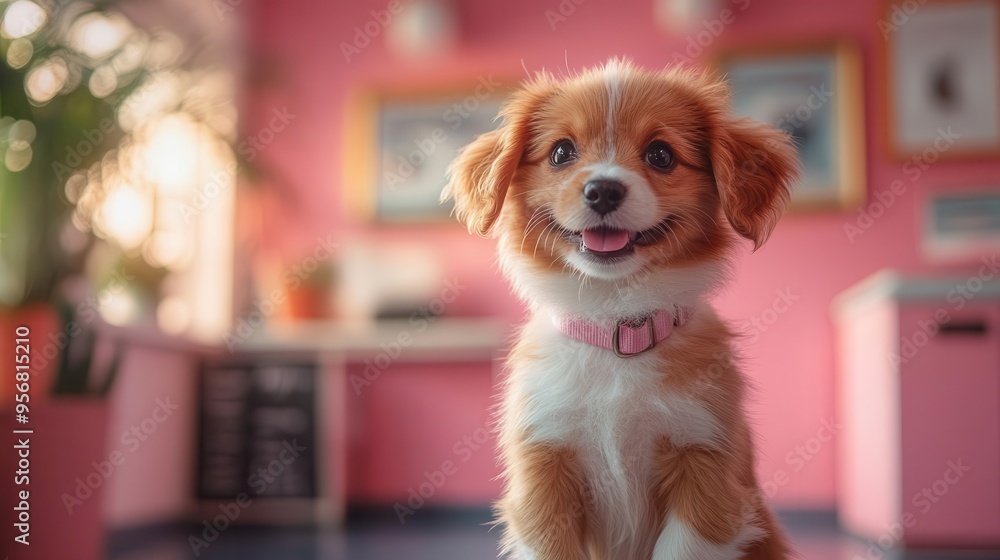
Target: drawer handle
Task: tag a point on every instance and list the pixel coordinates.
(972, 328)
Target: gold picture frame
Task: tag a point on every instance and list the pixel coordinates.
(400, 140)
(813, 91)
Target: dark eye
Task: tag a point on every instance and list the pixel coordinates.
(564, 152)
(659, 156)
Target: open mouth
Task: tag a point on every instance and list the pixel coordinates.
(608, 244)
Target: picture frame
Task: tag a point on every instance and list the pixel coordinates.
(942, 69)
(400, 142)
(813, 92)
(960, 225)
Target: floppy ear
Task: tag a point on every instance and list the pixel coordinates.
(480, 174)
(754, 165)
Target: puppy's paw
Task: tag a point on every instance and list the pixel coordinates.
(679, 541)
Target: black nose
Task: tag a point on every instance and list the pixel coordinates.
(603, 195)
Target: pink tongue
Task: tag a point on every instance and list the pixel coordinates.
(605, 240)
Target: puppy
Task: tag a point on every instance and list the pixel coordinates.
(617, 197)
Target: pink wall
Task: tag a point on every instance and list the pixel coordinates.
(792, 362)
(423, 423)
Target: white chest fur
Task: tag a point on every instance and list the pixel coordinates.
(576, 393)
(611, 411)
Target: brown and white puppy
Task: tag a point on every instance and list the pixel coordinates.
(616, 194)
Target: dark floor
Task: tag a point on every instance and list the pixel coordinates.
(443, 536)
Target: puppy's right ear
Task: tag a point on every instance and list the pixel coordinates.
(479, 176)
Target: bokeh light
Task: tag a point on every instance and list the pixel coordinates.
(103, 81)
(19, 52)
(21, 19)
(118, 307)
(171, 152)
(97, 35)
(47, 79)
(126, 215)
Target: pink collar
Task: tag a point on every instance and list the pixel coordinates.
(626, 337)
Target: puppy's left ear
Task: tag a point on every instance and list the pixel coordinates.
(478, 179)
(480, 175)
(754, 167)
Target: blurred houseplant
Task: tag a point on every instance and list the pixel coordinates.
(105, 129)
(100, 121)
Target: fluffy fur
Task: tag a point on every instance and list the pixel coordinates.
(649, 456)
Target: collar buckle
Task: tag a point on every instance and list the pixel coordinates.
(616, 337)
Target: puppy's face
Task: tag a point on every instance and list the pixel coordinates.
(619, 171)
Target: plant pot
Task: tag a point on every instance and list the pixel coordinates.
(307, 303)
(43, 322)
(66, 479)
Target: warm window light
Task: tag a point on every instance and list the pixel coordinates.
(47, 79)
(126, 216)
(97, 35)
(21, 19)
(117, 306)
(170, 155)
(155, 96)
(167, 249)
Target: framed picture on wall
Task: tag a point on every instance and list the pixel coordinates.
(943, 70)
(399, 144)
(813, 92)
(961, 225)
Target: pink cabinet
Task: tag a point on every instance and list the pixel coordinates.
(918, 389)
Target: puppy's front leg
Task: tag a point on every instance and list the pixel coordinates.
(543, 505)
(708, 513)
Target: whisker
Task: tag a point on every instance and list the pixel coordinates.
(536, 219)
(695, 223)
(551, 225)
(710, 217)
